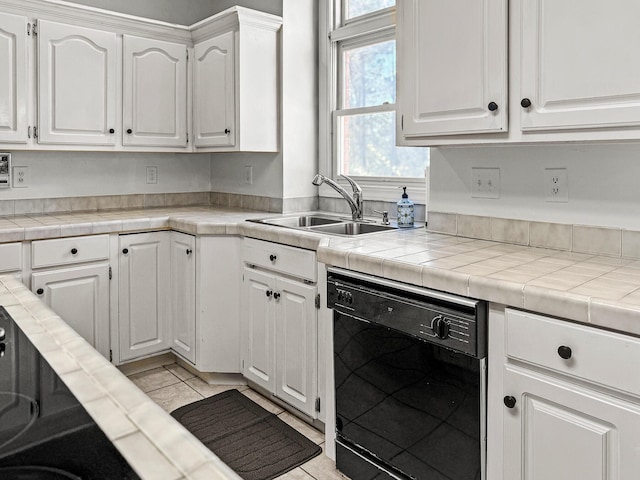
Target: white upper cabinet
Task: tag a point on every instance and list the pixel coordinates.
(579, 66)
(452, 67)
(13, 78)
(154, 93)
(236, 83)
(77, 94)
(571, 68)
(214, 116)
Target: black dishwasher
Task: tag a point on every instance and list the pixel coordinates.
(410, 380)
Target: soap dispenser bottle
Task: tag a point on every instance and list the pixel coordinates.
(405, 211)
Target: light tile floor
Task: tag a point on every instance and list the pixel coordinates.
(172, 386)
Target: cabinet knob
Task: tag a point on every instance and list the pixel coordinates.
(493, 106)
(525, 103)
(129, 131)
(276, 295)
(112, 130)
(272, 258)
(269, 293)
(227, 131)
(125, 250)
(189, 251)
(74, 251)
(40, 291)
(509, 401)
(564, 352)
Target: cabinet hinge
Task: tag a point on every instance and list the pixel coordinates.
(29, 131)
(110, 273)
(187, 54)
(318, 300)
(111, 355)
(402, 123)
(187, 137)
(317, 404)
(28, 28)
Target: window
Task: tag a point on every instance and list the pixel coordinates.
(360, 83)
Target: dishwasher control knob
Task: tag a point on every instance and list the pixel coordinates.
(440, 326)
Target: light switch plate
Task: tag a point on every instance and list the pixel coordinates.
(485, 182)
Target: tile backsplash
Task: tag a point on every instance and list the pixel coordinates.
(584, 239)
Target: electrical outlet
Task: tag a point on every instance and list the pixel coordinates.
(152, 174)
(248, 174)
(21, 177)
(485, 182)
(556, 181)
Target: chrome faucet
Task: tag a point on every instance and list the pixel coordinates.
(354, 200)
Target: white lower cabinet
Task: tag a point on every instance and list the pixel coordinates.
(556, 416)
(80, 296)
(279, 334)
(71, 275)
(558, 430)
(183, 295)
(144, 302)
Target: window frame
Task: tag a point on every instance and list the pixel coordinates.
(333, 32)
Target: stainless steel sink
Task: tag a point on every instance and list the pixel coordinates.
(324, 224)
(300, 221)
(352, 228)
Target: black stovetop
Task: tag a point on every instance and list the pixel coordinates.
(45, 433)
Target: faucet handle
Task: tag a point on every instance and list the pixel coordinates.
(356, 188)
(385, 216)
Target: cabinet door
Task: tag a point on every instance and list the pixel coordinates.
(154, 93)
(214, 113)
(183, 295)
(557, 430)
(80, 296)
(76, 85)
(296, 344)
(578, 67)
(13, 78)
(452, 67)
(258, 346)
(143, 297)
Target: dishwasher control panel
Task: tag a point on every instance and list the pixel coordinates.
(459, 327)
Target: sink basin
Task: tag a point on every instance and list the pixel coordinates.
(324, 224)
(352, 228)
(299, 221)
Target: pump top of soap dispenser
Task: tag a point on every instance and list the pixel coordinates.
(404, 192)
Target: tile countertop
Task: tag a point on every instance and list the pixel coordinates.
(598, 290)
(154, 444)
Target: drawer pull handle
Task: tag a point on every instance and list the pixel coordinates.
(189, 251)
(276, 295)
(525, 103)
(125, 250)
(509, 401)
(269, 293)
(40, 291)
(74, 251)
(564, 352)
(272, 258)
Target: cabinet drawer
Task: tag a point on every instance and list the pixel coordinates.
(65, 251)
(293, 261)
(605, 358)
(10, 257)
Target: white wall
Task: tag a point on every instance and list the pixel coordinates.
(70, 174)
(182, 12)
(604, 183)
(286, 174)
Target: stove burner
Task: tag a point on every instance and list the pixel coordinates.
(19, 406)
